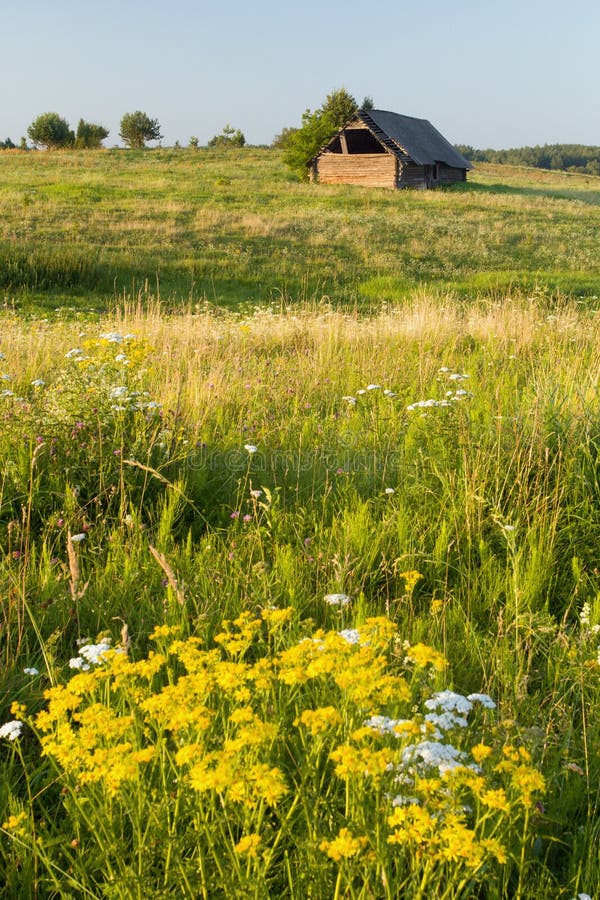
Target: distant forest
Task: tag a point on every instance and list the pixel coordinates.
(568, 157)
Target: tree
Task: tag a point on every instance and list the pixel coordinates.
(281, 140)
(51, 131)
(7, 144)
(229, 137)
(90, 136)
(137, 128)
(317, 129)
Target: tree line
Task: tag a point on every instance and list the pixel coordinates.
(567, 157)
(50, 131)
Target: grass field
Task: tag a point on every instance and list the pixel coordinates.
(86, 229)
(298, 600)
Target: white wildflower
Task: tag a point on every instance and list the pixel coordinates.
(72, 354)
(11, 730)
(256, 495)
(122, 358)
(31, 670)
(449, 701)
(119, 392)
(350, 400)
(337, 599)
(401, 800)
(446, 720)
(38, 382)
(390, 490)
(443, 757)
(350, 635)
(385, 725)
(77, 538)
(93, 653)
(90, 654)
(250, 448)
(483, 699)
(373, 387)
(457, 376)
(584, 615)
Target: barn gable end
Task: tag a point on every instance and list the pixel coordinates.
(384, 149)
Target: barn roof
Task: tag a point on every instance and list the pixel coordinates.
(416, 137)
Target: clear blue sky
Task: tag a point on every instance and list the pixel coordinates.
(491, 73)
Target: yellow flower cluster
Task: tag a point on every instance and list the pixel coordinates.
(15, 824)
(248, 845)
(359, 669)
(344, 846)
(239, 727)
(524, 779)
(319, 720)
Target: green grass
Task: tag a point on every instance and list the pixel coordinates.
(88, 229)
(419, 374)
(493, 497)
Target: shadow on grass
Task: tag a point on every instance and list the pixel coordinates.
(591, 198)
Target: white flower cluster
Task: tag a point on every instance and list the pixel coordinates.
(337, 599)
(451, 396)
(11, 730)
(450, 710)
(115, 338)
(385, 725)
(90, 655)
(134, 400)
(352, 401)
(77, 354)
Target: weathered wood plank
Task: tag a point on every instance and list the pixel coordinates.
(369, 169)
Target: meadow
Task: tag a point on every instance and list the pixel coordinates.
(91, 229)
(302, 600)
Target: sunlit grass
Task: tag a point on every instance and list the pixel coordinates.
(235, 227)
(470, 521)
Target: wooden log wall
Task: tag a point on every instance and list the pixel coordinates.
(411, 175)
(448, 174)
(368, 169)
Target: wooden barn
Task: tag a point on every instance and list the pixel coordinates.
(384, 149)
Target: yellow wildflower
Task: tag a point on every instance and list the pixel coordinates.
(344, 846)
(164, 631)
(248, 845)
(496, 799)
(410, 580)
(496, 849)
(527, 781)
(480, 752)
(411, 823)
(422, 655)
(268, 782)
(15, 823)
(275, 618)
(458, 843)
(319, 720)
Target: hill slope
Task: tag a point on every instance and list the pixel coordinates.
(84, 228)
